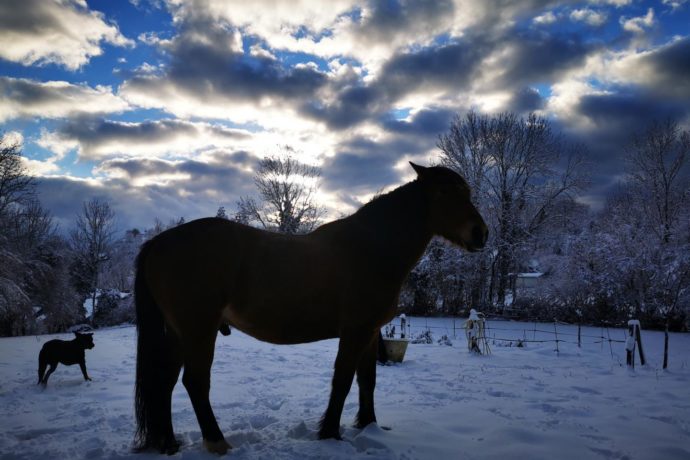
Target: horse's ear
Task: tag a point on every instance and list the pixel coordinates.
(420, 170)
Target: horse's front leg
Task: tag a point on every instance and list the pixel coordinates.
(350, 350)
(366, 380)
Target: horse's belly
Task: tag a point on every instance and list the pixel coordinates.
(281, 328)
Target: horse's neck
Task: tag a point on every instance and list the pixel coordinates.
(397, 225)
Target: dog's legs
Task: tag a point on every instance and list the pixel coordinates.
(82, 365)
(53, 366)
(42, 364)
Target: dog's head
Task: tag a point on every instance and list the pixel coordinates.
(85, 340)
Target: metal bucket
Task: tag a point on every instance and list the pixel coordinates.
(395, 348)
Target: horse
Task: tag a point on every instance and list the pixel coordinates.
(342, 280)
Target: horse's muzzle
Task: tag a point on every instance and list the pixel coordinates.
(480, 234)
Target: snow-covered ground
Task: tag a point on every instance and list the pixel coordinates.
(440, 403)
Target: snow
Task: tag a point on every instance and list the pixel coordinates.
(441, 402)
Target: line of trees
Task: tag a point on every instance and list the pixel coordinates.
(48, 277)
(631, 259)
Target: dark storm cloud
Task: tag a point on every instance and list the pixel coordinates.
(99, 137)
(530, 58)
(525, 100)
(223, 171)
(427, 122)
(20, 97)
(437, 67)
(671, 68)
(623, 113)
(452, 65)
(206, 63)
(99, 131)
(365, 166)
(614, 119)
(540, 57)
(387, 18)
(358, 174)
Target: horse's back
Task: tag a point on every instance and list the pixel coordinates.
(275, 287)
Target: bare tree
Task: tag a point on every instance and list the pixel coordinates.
(286, 201)
(92, 240)
(657, 166)
(512, 165)
(657, 160)
(16, 185)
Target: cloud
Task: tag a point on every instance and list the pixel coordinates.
(663, 70)
(638, 25)
(96, 139)
(364, 166)
(616, 3)
(589, 16)
(209, 76)
(526, 100)
(433, 69)
(61, 32)
(23, 98)
(625, 112)
(527, 58)
(546, 18)
(378, 53)
(675, 4)
(669, 68)
(139, 192)
(428, 122)
(220, 169)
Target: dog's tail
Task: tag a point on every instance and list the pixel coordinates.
(42, 364)
(153, 356)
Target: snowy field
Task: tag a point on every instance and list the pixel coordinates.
(440, 403)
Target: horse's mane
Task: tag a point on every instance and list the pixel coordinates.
(404, 200)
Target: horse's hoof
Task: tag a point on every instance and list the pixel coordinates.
(170, 447)
(330, 434)
(217, 447)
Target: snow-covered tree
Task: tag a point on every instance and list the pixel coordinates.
(519, 170)
(92, 240)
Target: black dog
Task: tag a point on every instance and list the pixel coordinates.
(67, 352)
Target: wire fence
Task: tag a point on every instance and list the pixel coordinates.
(535, 334)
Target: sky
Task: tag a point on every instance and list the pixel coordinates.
(164, 107)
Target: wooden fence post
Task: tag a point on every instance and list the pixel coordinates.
(634, 340)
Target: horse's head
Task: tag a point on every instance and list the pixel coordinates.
(452, 214)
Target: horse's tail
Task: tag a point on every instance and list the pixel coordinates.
(152, 354)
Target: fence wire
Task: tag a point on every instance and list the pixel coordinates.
(600, 339)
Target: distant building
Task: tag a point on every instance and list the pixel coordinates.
(528, 280)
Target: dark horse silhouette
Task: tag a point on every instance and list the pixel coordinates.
(342, 280)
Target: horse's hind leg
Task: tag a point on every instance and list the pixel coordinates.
(197, 381)
(349, 353)
(170, 372)
(366, 380)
